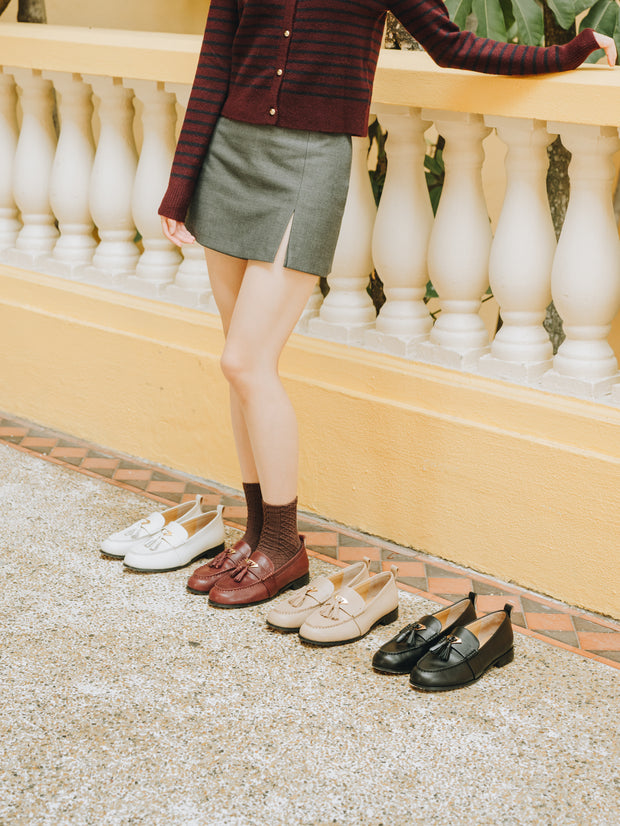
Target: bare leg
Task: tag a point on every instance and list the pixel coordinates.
(226, 274)
(269, 303)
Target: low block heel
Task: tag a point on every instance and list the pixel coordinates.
(298, 583)
(506, 658)
(388, 618)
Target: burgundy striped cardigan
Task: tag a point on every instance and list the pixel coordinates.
(310, 64)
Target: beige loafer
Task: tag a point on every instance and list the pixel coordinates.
(289, 614)
(352, 612)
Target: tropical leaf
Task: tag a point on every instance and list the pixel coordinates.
(509, 17)
(529, 17)
(603, 17)
(565, 11)
(459, 11)
(617, 36)
(490, 18)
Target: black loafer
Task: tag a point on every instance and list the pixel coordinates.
(402, 652)
(464, 656)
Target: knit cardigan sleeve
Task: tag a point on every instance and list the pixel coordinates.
(205, 104)
(429, 22)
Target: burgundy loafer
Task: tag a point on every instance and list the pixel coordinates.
(254, 580)
(204, 578)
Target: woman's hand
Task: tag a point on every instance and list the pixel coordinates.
(177, 232)
(608, 45)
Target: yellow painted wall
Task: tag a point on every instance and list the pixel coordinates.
(181, 16)
(510, 481)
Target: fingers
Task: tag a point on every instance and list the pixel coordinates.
(609, 46)
(176, 231)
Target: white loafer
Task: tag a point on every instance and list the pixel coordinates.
(351, 613)
(291, 612)
(119, 543)
(179, 543)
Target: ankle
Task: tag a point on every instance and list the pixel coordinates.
(254, 522)
(279, 539)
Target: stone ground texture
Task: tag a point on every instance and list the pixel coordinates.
(126, 700)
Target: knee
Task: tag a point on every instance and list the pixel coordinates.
(238, 370)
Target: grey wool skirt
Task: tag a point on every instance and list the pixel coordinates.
(254, 179)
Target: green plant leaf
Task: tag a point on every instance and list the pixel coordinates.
(509, 17)
(602, 17)
(617, 36)
(529, 17)
(565, 11)
(459, 10)
(433, 166)
(490, 18)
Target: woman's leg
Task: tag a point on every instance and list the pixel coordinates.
(268, 306)
(269, 303)
(226, 274)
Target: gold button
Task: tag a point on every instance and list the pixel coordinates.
(287, 33)
(272, 111)
(279, 73)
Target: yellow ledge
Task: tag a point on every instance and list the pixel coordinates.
(516, 483)
(588, 95)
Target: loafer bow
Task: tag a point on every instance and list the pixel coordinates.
(465, 655)
(204, 578)
(290, 613)
(402, 652)
(254, 580)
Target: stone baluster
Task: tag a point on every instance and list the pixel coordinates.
(112, 182)
(311, 310)
(9, 133)
(401, 234)
(347, 310)
(585, 280)
(34, 157)
(70, 178)
(192, 287)
(160, 260)
(522, 255)
(459, 247)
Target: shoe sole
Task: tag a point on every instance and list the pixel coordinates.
(283, 628)
(502, 660)
(380, 670)
(208, 554)
(392, 616)
(297, 583)
(111, 556)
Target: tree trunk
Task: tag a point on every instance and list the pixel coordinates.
(397, 36)
(31, 11)
(558, 183)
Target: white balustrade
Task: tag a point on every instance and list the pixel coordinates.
(401, 234)
(311, 310)
(522, 255)
(459, 246)
(34, 157)
(112, 182)
(192, 286)
(348, 309)
(9, 133)
(80, 203)
(585, 280)
(160, 260)
(70, 177)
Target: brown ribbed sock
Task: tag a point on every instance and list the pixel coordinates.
(279, 539)
(254, 524)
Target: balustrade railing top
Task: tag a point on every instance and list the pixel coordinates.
(588, 95)
(57, 189)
